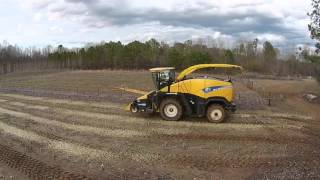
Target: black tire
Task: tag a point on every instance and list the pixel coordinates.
(216, 113)
(171, 110)
(133, 109)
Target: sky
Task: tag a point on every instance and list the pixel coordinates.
(74, 23)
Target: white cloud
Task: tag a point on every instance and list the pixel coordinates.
(63, 21)
(37, 4)
(56, 29)
(271, 37)
(19, 28)
(37, 17)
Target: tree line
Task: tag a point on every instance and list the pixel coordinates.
(314, 28)
(255, 56)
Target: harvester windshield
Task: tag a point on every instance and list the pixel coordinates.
(163, 77)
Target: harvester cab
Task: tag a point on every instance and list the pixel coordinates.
(163, 77)
(179, 96)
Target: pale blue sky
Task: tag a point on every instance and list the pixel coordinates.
(76, 22)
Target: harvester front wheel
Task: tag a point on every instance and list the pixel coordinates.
(216, 113)
(171, 109)
(133, 109)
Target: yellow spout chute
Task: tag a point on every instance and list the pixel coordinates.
(191, 69)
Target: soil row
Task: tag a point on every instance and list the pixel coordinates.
(33, 168)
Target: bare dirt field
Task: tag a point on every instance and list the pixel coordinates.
(72, 125)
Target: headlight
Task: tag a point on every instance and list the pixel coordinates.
(206, 90)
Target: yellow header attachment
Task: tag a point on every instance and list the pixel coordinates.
(203, 66)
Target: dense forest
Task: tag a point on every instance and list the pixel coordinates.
(253, 55)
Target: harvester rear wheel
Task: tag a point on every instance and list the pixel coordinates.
(171, 109)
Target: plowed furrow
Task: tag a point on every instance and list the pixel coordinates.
(124, 118)
(76, 149)
(171, 159)
(63, 101)
(213, 163)
(33, 168)
(118, 121)
(78, 139)
(45, 106)
(82, 154)
(55, 134)
(79, 128)
(247, 138)
(159, 133)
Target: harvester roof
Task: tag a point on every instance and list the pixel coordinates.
(161, 69)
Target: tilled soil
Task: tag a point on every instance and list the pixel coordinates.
(245, 98)
(33, 168)
(7, 173)
(49, 138)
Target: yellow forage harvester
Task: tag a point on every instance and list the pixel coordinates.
(195, 97)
